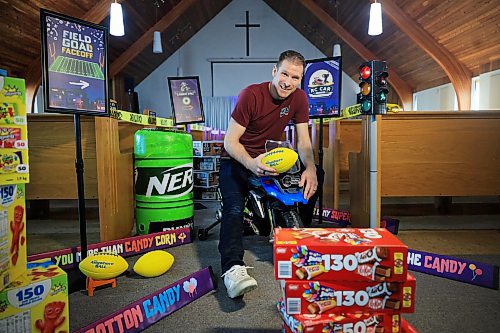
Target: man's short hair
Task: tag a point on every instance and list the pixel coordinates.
(292, 56)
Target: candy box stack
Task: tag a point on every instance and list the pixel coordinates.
(37, 301)
(343, 272)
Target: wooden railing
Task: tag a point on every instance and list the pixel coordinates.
(428, 154)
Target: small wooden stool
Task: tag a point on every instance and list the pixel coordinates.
(93, 283)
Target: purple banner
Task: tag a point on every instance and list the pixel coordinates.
(463, 270)
(342, 218)
(390, 224)
(126, 247)
(143, 313)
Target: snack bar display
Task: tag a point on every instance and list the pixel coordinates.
(314, 254)
(325, 297)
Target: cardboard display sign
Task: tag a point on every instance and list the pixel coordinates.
(75, 65)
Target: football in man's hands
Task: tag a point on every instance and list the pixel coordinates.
(103, 266)
(280, 159)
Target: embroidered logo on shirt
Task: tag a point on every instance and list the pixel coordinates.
(284, 111)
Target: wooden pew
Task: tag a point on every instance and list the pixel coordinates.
(51, 140)
(107, 146)
(428, 154)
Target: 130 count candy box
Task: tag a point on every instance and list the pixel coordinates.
(323, 297)
(321, 254)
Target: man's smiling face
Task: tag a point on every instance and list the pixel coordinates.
(286, 79)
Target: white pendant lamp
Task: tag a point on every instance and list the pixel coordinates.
(375, 24)
(157, 48)
(336, 50)
(116, 20)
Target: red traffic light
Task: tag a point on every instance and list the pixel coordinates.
(381, 79)
(365, 72)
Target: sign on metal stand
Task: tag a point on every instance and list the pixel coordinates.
(75, 81)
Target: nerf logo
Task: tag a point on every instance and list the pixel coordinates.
(174, 182)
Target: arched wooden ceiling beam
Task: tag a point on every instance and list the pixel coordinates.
(147, 38)
(459, 75)
(34, 73)
(402, 89)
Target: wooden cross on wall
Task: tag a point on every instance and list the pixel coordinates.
(247, 25)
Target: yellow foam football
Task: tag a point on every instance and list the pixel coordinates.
(103, 266)
(154, 263)
(281, 159)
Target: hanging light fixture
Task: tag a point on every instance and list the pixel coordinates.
(157, 48)
(375, 24)
(116, 20)
(157, 42)
(336, 50)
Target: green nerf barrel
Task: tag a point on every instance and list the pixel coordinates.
(163, 180)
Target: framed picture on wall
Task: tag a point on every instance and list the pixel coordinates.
(322, 84)
(74, 65)
(185, 98)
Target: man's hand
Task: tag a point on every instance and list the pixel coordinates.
(260, 169)
(309, 182)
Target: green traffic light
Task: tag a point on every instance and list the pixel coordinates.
(365, 106)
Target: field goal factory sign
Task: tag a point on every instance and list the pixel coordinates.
(75, 65)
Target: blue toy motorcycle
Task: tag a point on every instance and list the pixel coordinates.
(272, 201)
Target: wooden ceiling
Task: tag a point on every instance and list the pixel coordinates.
(425, 42)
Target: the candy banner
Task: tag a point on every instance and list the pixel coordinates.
(148, 310)
(459, 269)
(126, 247)
(342, 218)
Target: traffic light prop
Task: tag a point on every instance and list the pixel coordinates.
(373, 87)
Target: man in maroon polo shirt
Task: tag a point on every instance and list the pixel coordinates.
(261, 113)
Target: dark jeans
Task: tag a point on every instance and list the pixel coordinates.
(233, 185)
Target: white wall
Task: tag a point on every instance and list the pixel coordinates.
(489, 88)
(441, 98)
(221, 40)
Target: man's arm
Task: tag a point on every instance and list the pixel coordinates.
(308, 179)
(237, 151)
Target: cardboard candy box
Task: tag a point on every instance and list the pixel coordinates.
(335, 323)
(326, 297)
(37, 301)
(12, 233)
(13, 132)
(320, 254)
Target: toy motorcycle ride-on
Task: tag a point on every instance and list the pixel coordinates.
(271, 202)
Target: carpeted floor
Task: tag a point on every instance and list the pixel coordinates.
(441, 305)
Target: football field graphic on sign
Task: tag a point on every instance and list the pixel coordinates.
(75, 65)
(72, 66)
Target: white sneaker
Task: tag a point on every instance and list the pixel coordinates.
(238, 282)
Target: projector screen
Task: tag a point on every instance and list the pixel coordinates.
(229, 78)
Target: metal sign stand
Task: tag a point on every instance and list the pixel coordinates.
(79, 166)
